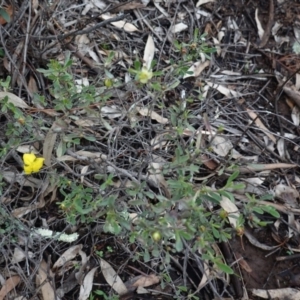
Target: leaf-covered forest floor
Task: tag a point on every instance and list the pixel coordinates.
(169, 137)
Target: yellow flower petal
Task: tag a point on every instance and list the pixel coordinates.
(144, 75)
(37, 164)
(28, 158)
(27, 170)
(32, 164)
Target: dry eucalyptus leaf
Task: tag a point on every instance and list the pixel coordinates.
(250, 168)
(101, 4)
(196, 69)
(161, 9)
(149, 52)
(80, 83)
(97, 156)
(83, 171)
(27, 149)
(48, 292)
(57, 126)
(178, 27)
(221, 145)
(33, 88)
(85, 122)
(120, 24)
(284, 293)
(205, 276)
(15, 100)
(259, 26)
(231, 24)
(111, 112)
(232, 209)
(217, 45)
(8, 286)
(69, 254)
(144, 111)
(82, 42)
(289, 89)
(296, 115)
(201, 2)
(19, 255)
(141, 290)
(86, 287)
(112, 278)
(155, 173)
(297, 82)
(22, 211)
(159, 141)
(288, 194)
(256, 243)
(281, 147)
(143, 281)
(223, 90)
(30, 181)
(243, 264)
(260, 124)
(130, 6)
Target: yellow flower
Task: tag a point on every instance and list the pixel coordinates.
(144, 75)
(32, 164)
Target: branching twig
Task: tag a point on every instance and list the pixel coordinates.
(79, 32)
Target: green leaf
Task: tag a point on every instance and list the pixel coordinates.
(155, 252)
(232, 177)
(213, 197)
(2, 52)
(137, 64)
(186, 235)
(227, 195)
(178, 241)
(4, 15)
(149, 195)
(224, 268)
(215, 233)
(146, 256)
(258, 209)
(271, 210)
(90, 138)
(156, 86)
(267, 197)
(172, 85)
(263, 224)
(238, 186)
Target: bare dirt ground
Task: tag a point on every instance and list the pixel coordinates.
(252, 85)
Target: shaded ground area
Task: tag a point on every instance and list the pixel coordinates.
(137, 170)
